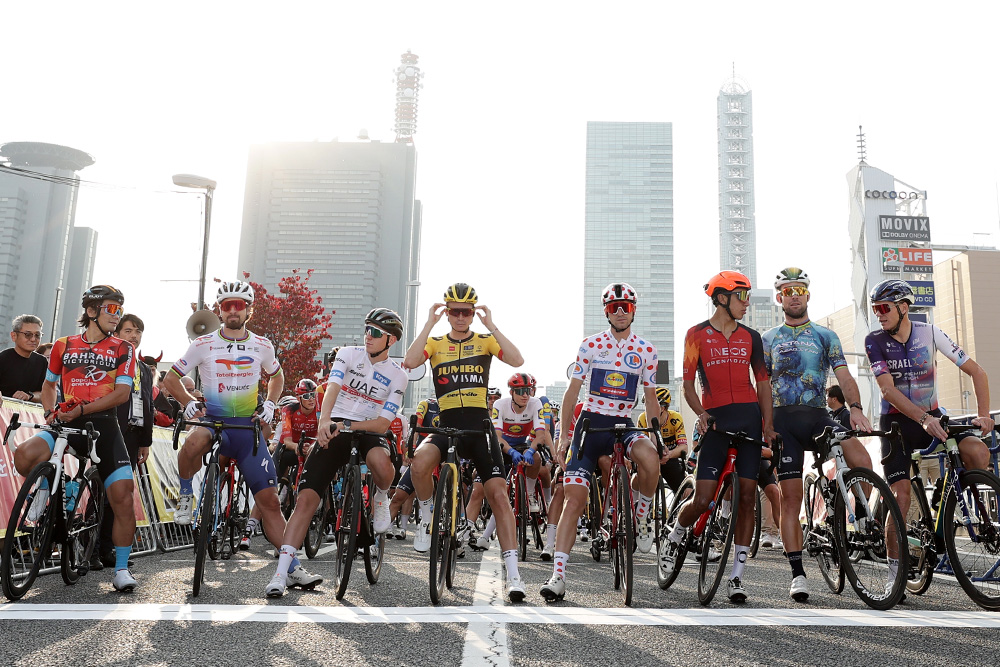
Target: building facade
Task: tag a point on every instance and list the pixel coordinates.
(629, 229)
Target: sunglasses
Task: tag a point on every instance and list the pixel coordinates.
(31, 335)
(741, 294)
(624, 306)
(232, 305)
(881, 308)
(113, 308)
(374, 332)
(522, 391)
(796, 290)
(461, 312)
(308, 397)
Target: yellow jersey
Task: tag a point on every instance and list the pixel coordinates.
(461, 369)
(672, 430)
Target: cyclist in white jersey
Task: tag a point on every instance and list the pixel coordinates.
(230, 362)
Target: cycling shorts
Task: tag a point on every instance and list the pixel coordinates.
(259, 471)
(673, 473)
(115, 464)
(579, 468)
(798, 425)
(483, 451)
(322, 464)
(735, 417)
(766, 476)
(914, 437)
(406, 483)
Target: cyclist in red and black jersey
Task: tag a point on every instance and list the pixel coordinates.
(95, 371)
(724, 354)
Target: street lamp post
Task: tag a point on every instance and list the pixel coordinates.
(208, 185)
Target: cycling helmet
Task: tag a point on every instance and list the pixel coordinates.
(285, 401)
(618, 292)
(518, 380)
(726, 281)
(99, 293)
(663, 396)
(387, 320)
(493, 391)
(792, 274)
(305, 386)
(893, 290)
(461, 293)
(236, 289)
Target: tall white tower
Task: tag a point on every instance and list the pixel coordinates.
(737, 233)
(407, 94)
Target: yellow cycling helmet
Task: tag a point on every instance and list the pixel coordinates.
(663, 396)
(461, 293)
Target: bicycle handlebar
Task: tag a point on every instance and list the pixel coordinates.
(955, 429)
(619, 430)
(58, 428)
(217, 426)
(829, 436)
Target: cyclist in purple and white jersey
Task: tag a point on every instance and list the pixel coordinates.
(902, 360)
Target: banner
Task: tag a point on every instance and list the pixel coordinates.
(904, 228)
(907, 260)
(924, 291)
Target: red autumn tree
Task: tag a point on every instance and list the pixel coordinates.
(295, 322)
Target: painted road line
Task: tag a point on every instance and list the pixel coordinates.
(486, 643)
(549, 615)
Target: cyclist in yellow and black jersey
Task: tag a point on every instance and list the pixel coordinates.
(674, 439)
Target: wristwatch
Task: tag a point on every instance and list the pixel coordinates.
(346, 424)
(857, 405)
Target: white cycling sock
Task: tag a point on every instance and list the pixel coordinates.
(425, 510)
(403, 520)
(547, 494)
(677, 533)
(559, 560)
(642, 506)
(510, 562)
(739, 560)
(285, 559)
(491, 527)
(550, 535)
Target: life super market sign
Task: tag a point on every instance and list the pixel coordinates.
(909, 260)
(904, 228)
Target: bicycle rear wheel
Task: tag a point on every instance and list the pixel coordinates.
(974, 547)
(920, 538)
(208, 513)
(878, 581)
(347, 529)
(26, 542)
(521, 516)
(317, 526)
(441, 532)
(817, 535)
(758, 511)
(718, 537)
(239, 514)
(82, 528)
(624, 535)
(216, 547)
(666, 576)
(594, 515)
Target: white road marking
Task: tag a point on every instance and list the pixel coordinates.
(486, 642)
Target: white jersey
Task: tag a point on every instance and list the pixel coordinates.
(230, 371)
(367, 390)
(613, 372)
(517, 426)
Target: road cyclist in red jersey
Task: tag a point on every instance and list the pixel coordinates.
(95, 372)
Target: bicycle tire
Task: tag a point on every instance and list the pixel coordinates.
(625, 534)
(207, 515)
(28, 538)
(347, 530)
(83, 528)
(441, 533)
(521, 516)
(538, 519)
(216, 545)
(594, 511)
(317, 526)
(719, 535)
(664, 577)
(817, 536)
(373, 559)
(920, 538)
(758, 511)
(869, 574)
(968, 555)
(240, 514)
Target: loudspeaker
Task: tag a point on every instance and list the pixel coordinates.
(201, 323)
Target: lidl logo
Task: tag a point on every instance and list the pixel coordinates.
(515, 428)
(615, 379)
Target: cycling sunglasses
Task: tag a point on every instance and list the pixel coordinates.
(741, 294)
(114, 309)
(374, 332)
(625, 306)
(881, 308)
(522, 391)
(308, 397)
(231, 305)
(461, 312)
(794, 290)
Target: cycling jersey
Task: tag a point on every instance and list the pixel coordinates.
(367, 390)
(672, 430)
(724, 365)
(461, 369)
(612, 371)
(90, 371)
(428, 413)
(798, 359)
(230, 371)
(912, 363)
(547, 414)
(399, 429)
(515, 427)
(295, 422)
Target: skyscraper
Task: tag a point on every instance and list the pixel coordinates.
(38, 194)
(346, 210)
(629, 231)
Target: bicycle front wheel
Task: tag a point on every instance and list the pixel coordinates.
(665, 576)
(82, 528)
(217, 546)
(920, 539)
(817, 535)
(972, 536)
(717, 540)
(758, 511)
(29, 533)
(521, 516)
(347, 530)
(624, 534)
(441, 532)
(877, 539)
(208, 514)
(594, 515)
(317, 526)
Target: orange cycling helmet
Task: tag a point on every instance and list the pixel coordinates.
(726, 281)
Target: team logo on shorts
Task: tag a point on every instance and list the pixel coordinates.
(615, 379)
(633, 360)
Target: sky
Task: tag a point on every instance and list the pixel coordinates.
(155, 90)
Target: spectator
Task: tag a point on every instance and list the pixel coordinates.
(22, 370)
(838, 406)
(45, 349)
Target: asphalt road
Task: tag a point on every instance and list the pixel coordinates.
(393, 622)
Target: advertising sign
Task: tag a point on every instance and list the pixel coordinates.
(924, 291)
(904, 228)
(907, 260)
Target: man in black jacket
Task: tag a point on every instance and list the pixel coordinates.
(838, 408)
(22, 370)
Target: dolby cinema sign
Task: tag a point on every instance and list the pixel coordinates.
(904, 228)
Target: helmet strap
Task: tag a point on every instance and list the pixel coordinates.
(379, 353)
(899, 322)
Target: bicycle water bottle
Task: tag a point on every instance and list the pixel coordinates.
(69, 494)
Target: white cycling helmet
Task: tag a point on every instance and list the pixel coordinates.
(791, 274)
(236, 289)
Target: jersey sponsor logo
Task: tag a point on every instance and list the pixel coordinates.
(468, 348)
(514, 428)
(392, 407)
(577, 369)
(381, 379)
(362, 387)
(240, 363)
(233, 387)
(633, 360)
(94, 374)
(615, 379)
(337, 374)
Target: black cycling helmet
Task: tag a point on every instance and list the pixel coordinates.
(894, 290)
(99, 293)
(387, 320)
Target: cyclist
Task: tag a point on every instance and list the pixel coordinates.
(460, 365)
(365, 393)
(672, 468)
(95, 372)
(230, 361)
(429, 414)
(798, 356)
(492, 396)
(724, 354)
(902, 360)
(615, 364)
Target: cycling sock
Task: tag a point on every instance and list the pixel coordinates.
(121, 557)
(510, 562)
(559, 560)
(294, 564)
(740, 560)
(186, 489)
(381, 494)
(547, 494)
(251, 526)
(550, 535)
(403, 520)
(285, 559)
(677, 534)
(425, 510)
(795, 560)
(491, 527)
(642, 507)
(893, 569)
